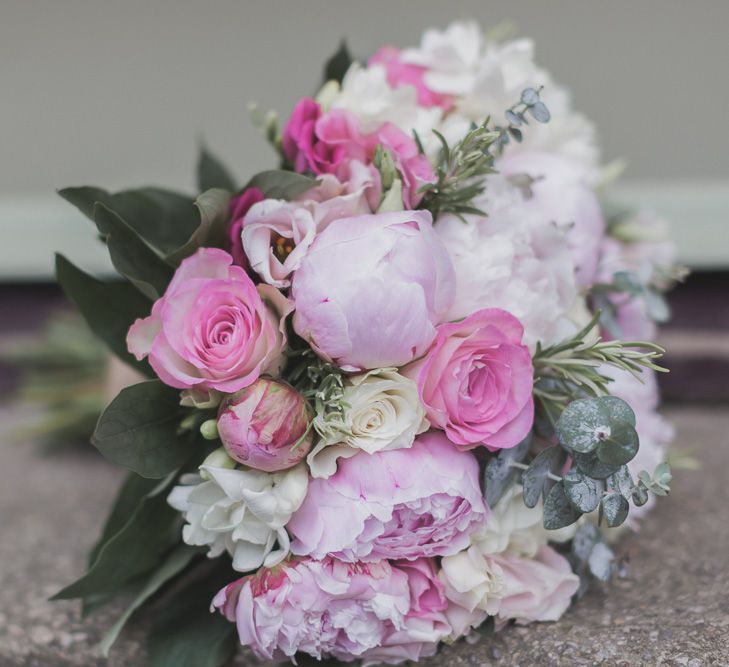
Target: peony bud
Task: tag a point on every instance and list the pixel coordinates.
(264, 426)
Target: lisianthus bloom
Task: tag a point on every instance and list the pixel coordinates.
(212, 328)
(476, 380)
(325, 608)
(240, 511)
(265, 425)
(401, 504)
(327, 143)
(239, 206)
(276, 234)
(383, 412)
(372, 288)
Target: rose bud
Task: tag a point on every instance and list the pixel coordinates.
(265, 425)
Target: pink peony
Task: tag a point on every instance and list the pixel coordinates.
(239, 206)
(372, 288)
(538, 589)
(562, 194)
(329, 143)
(476, 381)
(425, 624)
(324, 608)
(400, 73)
(260, 425)
(212, 329)
(400, 504)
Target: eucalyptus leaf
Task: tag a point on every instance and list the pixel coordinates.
(614, 508)
(535, 479)
(529, 96)
(586, 537)
(600, 561)
(109, 308)
(621, 481)
(586, 422)
(640, 496)
(212, 173)
(131, 256)
(139, 430)
(540, 112)
(590, 465)
(582, 491)
(558, 510)
(280, 184)
(620, 446)
(656, 306)
(499, 474)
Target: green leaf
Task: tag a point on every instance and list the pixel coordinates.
(535, 479)
(499, 474)
(212, 173)
(586, 422)
(616, 409)
(163, 218)
(281, 184)
(130, 254)
(582, 491)
(186, 634)
(175, 563)
(136, 548)
(338, 64)
(590, 465)
(109, 308)
(640, 496)
(614, 508)
(558, 510)
(214, 207)
(621, 481)
(620, 446)
(139, 430)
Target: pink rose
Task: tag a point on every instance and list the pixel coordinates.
(425, 624)
(260, 425)
(538, 589)
(239, 206)
(400, 504)
(276, 234)
(476, 380)
(323, 608)
(561, 194)
(372, 288)
(212, 329)
(400, 73)
(328, 143)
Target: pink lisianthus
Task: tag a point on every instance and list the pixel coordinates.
(328, 143)
(239, 206)
(476, 380)
(324, 608)
(425, 624)
(400, 504)
(372, 288)
(400, 73)
(212, 329)
(260, 425)
(538, 589)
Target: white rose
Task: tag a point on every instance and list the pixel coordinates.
(473, 581)
(240, 511)
(384, 412)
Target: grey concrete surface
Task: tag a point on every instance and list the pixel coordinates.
(673, 610)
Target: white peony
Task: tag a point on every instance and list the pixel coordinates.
(384, 413)
(513, 259)
(241, 511)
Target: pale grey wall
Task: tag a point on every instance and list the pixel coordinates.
(115, 93)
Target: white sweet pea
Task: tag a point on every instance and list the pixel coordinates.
(240, 511)
(384, 413)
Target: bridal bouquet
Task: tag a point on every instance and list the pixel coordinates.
(398, 390)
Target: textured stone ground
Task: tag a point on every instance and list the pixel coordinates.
(672, 610)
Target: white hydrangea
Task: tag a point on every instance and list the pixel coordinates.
(513, 259)
(241, 511)
(385, 412)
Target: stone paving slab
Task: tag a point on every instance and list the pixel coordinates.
(673, 610)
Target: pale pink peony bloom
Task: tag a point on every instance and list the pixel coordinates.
(372, 288)
(323, 608)
(212, 329)
(562, 194)
(260, 425)
(401, 73)
(538, 589)
(476, 380)
(425, 624)
(327, 143)
(400, 504)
